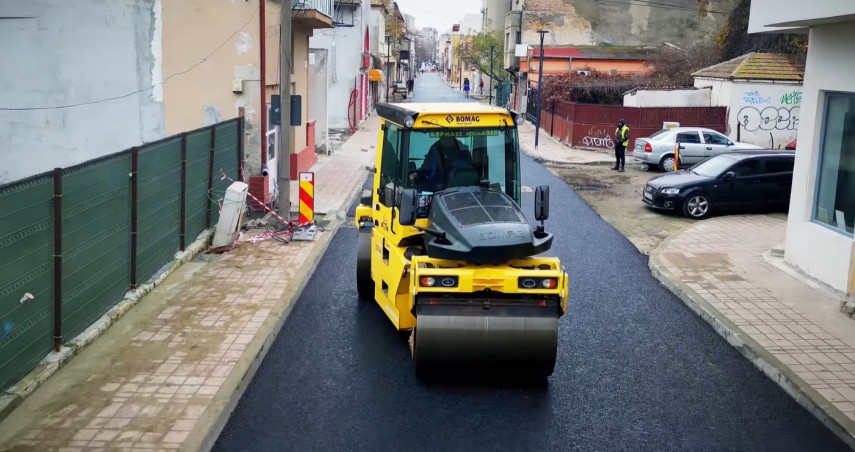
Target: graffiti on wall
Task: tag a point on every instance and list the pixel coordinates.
(755, 116)
(769, 118)
(598, 137)
(792, 98)
(755, 98)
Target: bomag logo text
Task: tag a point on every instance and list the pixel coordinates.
(467, 118)
(510, 234)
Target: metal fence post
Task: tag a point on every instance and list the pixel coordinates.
(134, 170)
(240, 126)
(57, 259)
(210, 174)
(552, 124)
(183, 220)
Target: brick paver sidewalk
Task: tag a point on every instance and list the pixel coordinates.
(792, 330)
(166, 375)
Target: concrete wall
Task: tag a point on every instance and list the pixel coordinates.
(60, 53)
(191, 30)
(769, 12)
(300, 83)
(819, 251)
(345, 46)
(590, 22)
(319, 81)
(768, 113)
(720, 90)
(493, 12)
(668, 98)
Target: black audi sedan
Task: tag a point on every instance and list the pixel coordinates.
(736, 181)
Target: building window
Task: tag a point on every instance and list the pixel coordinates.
(835, 202)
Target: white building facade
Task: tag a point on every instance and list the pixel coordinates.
(822, 207)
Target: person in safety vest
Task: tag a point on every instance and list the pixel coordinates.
(621, 142)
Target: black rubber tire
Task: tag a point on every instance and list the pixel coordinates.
(364, 283)
(697, 206)
(663, 163)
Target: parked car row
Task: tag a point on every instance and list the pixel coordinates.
(735, 181)
(696, 144)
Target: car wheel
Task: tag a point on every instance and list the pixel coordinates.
(667, 163)
(697, 206)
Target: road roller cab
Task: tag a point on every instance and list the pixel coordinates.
(445, 250)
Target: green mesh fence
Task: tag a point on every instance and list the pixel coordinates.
(95, 222)
(26, 244)
(196, 196)
(158, 212)
(96, 218)
(225, 158)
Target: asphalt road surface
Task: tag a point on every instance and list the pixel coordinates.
(636, 370)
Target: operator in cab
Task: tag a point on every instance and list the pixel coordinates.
(444, 156)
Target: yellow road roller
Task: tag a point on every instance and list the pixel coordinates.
(445, 250)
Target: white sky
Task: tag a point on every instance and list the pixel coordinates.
(439, 14)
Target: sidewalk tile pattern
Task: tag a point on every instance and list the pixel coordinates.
(161, 380)
(701, 258)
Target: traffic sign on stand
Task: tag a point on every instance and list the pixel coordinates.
(307, 198)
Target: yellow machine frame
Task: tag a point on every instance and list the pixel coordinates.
(396, 277)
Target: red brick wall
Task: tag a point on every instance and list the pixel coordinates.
(303, 160)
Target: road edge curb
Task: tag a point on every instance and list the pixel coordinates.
(773, 368)
(236, 384)
(13, 397)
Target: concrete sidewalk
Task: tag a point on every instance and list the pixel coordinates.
(168, 373)
(554, 151)
(728, 270)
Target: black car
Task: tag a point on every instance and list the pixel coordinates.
(744, 180)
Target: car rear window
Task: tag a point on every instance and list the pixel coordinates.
(779, 165)
(659, 133)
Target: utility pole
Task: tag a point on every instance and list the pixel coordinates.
(388, 65)
(262, 13)
(490, 94)
(284, 152)
(539, 89)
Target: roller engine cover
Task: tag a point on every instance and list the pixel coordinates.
(480, 225)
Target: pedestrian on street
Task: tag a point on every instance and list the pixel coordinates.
(410, 84)
(621, 142)
(466, 86)
(481, 86)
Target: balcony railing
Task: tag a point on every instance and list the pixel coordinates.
(324, 7)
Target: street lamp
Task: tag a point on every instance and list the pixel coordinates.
(490, 94)
(388, 65)
(539, 89)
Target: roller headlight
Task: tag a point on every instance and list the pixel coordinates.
(409, 122)
(438, 281)
(538, 283)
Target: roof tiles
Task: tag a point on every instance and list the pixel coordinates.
(757, 66)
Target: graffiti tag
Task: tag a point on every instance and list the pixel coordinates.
(754, 98)
(770, 118)
(793, 98)
(598, 138)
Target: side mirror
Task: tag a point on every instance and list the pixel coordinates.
(407, 207)
(729, 176)
(541, 203)
(729, 143)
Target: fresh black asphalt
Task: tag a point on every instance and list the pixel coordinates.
(637, 370)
